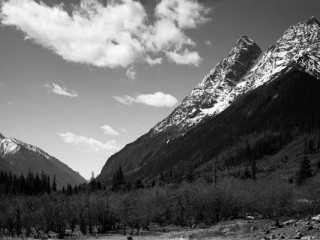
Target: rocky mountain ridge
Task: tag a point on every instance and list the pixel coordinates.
(214, 88)
(222, 85)
(19, 157)
(295, 55)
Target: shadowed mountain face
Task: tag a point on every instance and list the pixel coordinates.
(232, 103)
(18, 157)
(212, 92)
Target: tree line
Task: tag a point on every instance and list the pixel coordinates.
(185, 204)
(32, 184)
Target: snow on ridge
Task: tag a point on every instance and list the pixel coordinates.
(220, 87)
(214, 87)
(9, 146)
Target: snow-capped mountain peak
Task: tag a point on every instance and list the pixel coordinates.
(236, 75)
(19, 158)
(212, 91)
(9, 146)
(297, 41)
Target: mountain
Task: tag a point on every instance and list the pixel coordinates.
(257, 126)
(18, 157)
(211, 93)
(227, 81)
(294, 56)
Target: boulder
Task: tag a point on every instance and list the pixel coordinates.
(289, 222)
(316, 218)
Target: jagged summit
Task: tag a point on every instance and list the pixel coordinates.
(213, 89)
(1, 136)
(294, 58)
(313, 20)
(245, 39)
(298, 40)
(236, 75)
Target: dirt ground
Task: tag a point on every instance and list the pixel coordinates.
(245, 229)
(305, 229)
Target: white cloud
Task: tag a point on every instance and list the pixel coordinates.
(127, 100)
(157, 99)
(55, 88)
(89, 144)
(186, 13)
(131, 73)
(208, 43)
(109, 130)
(184, 58)
(116, 35)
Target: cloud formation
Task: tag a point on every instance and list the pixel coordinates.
(116, 35)
(157, 99)
(56, 89)
(89, 144)
(184, 58)
(208, 43)
(131, 73)
(109, 130)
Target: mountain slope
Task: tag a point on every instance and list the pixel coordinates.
(221, 86)
(297, 49)
(214, 87)
(276, 111)
(18, 157)
(212, 91)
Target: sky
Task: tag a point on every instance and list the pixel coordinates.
(81, 79)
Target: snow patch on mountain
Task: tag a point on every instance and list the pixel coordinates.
(238, 74)
(208, 96)
(9, 146)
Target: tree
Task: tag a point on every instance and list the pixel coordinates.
(93, 182)
(138, 184)
(120, 176)
(215, 177)
(190, 175)
(118, 180)
(304, 171)
(161, 177)
(54, 184)
(246, 174)
(253, 168)
(69, 189)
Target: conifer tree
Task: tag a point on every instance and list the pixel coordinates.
(304, 171)
(93, 183)
(162, 177)
(54, 184)
(138, 184)
(118, 180)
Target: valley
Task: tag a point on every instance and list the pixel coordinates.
(237, 158)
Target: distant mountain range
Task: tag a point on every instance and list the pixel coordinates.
(244, 101)
(19, 158)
